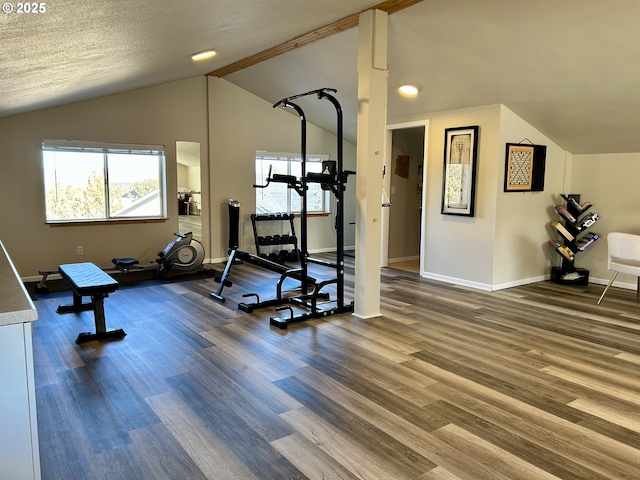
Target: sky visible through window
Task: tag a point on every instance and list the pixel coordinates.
(82, 183)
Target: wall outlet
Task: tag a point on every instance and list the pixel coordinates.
(80, 250)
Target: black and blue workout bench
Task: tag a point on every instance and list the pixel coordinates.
(86, 279)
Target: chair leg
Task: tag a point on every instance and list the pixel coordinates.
(638, 291)
(615, 274)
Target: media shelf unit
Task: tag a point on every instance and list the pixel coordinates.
(271, 240)
(574, 239)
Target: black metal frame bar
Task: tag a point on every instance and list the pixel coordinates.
(337, 186)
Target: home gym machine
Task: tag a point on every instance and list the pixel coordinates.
(237, 256)
(332, 178)
(181, 256)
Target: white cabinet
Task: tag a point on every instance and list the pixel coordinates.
(19, 453)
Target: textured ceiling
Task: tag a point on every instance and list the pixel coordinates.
(570, 68)
(79, 49)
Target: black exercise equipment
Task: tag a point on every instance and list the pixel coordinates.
(87, 280)
(238, 256)
(333, 178)
(183, 255)
(273, 240)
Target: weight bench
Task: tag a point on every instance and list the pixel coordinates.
(86, 279)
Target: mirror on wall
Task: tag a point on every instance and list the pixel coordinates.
(189, 194)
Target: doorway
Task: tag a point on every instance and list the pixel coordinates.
(189, 194)
(405, 164)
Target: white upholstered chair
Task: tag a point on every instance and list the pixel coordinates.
(623, 257)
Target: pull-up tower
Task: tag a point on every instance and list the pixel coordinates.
(333, 178)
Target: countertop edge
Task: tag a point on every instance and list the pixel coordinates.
(16, 305)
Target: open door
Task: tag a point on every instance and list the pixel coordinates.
(403, 223)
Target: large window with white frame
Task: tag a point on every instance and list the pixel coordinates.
(277, 197)
(89, 181)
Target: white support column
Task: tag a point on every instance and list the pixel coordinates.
(372, 119)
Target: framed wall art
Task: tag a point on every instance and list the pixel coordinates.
(524, 167)
(459, 173)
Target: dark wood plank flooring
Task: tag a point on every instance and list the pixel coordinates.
(533, 382)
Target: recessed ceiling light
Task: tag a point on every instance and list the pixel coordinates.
(410, 90)
(205, 54)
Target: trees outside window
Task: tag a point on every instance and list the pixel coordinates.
(86, 181)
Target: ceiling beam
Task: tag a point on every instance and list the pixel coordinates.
(346, 23)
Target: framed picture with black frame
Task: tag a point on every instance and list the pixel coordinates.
(459, 173)
(524, 167)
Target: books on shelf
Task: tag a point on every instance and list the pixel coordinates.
(563, 231)
(564, 213)
(586, 241)
(586, 221)
(574, 203)
(563, 250)
(578, 224)
(572, 228)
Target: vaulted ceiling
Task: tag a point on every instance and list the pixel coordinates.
(570, 68)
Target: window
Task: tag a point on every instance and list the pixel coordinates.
(86, 181)
(277, 197)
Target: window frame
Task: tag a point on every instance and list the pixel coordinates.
(290, 158)
(106, 149)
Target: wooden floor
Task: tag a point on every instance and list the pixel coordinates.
(409, 266)
(191, 223)
(533, 382)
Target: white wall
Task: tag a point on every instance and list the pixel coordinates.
(189, 177)
(157, 115)
(610, 183)
(240, 124)
(460, 249)
(182, 176)
(502, 245)
(506, 242)
(523, 253)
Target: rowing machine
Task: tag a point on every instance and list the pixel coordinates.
(182, 255)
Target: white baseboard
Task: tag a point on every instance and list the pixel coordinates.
(457, 281)
(524, 281)
(317, 250)
(322, 250)
(617, 283)
(331, 250)
(403, 259)
(484, 286)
